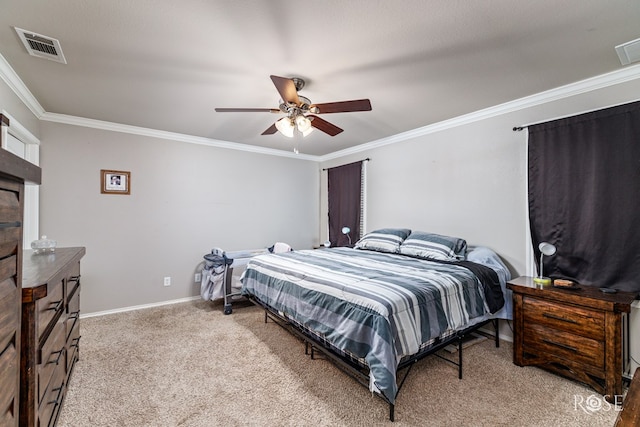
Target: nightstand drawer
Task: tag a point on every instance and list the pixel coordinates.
(574, 348)
(577, 320)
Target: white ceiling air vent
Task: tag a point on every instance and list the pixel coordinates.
(41, 46)
(629, 52)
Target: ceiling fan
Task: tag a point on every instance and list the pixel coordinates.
(300, 112)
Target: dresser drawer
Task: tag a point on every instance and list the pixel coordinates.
(10, 235)
(73, 301)
(8, 380)
(9, 311)
(73, 346)
(51, 358)
(73, 329)
(577, 320)
(571, 347)
(10, 211)
(73, 280)
(52, 399)
(8, 267)
(49, 307)
(73, 312)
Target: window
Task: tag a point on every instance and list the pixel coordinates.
(346, 201)
(583, 180)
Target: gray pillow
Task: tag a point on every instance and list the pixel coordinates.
(434, 246)
(383, 240)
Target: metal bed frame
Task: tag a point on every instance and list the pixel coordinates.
(239, 259)
(354, 367)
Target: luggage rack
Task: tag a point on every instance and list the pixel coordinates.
(218, 275)
(237, 259)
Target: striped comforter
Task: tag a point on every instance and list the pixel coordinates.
(379, 307)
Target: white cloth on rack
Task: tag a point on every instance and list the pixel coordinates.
(280, 247)
(212, 283)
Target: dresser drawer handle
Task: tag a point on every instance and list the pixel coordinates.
(74, 314)
(57, 306)
(75, 342)
(74, 278)
(59, 353)
(56, 402)
(565, 346)
(556, 317)
(10, 224)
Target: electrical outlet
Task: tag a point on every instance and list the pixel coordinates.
(167, 281)
(197, 278)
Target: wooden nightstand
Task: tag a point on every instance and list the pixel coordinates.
(574, 333)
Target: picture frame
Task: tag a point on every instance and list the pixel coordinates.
(115, 182)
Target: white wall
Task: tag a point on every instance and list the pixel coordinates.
(185, 199)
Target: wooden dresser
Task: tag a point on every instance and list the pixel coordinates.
(13, 173)
(574, 333)
(50, 332)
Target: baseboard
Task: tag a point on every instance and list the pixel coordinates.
(138, 307)
(490, 332)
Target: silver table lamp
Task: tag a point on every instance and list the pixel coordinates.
(545, 249)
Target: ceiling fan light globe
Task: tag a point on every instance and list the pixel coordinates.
(303, 123)
(307, 132)
(285, 126)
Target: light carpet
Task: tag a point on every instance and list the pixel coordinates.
(189, 365)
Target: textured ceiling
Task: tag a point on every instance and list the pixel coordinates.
(166, 65)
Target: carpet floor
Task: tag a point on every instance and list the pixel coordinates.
(189, 365)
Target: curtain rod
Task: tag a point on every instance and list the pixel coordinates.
(363, 160)
(523, 127)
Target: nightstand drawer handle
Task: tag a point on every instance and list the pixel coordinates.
(556, 317)
(566, 347)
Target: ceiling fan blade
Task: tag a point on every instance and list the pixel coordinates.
(343, 106)
(286, 89)
(271, 130)
(324, 125)
(247, 110)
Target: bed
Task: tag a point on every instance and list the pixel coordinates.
(380, 306)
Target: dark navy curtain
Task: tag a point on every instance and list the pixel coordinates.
(584, 196)
(345, 190)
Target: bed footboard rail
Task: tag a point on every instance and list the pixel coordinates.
(359, 371)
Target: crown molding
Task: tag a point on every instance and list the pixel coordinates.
(173, 136)
(588, 85)
(18, 87)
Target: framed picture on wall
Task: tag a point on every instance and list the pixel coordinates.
(115, 182)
